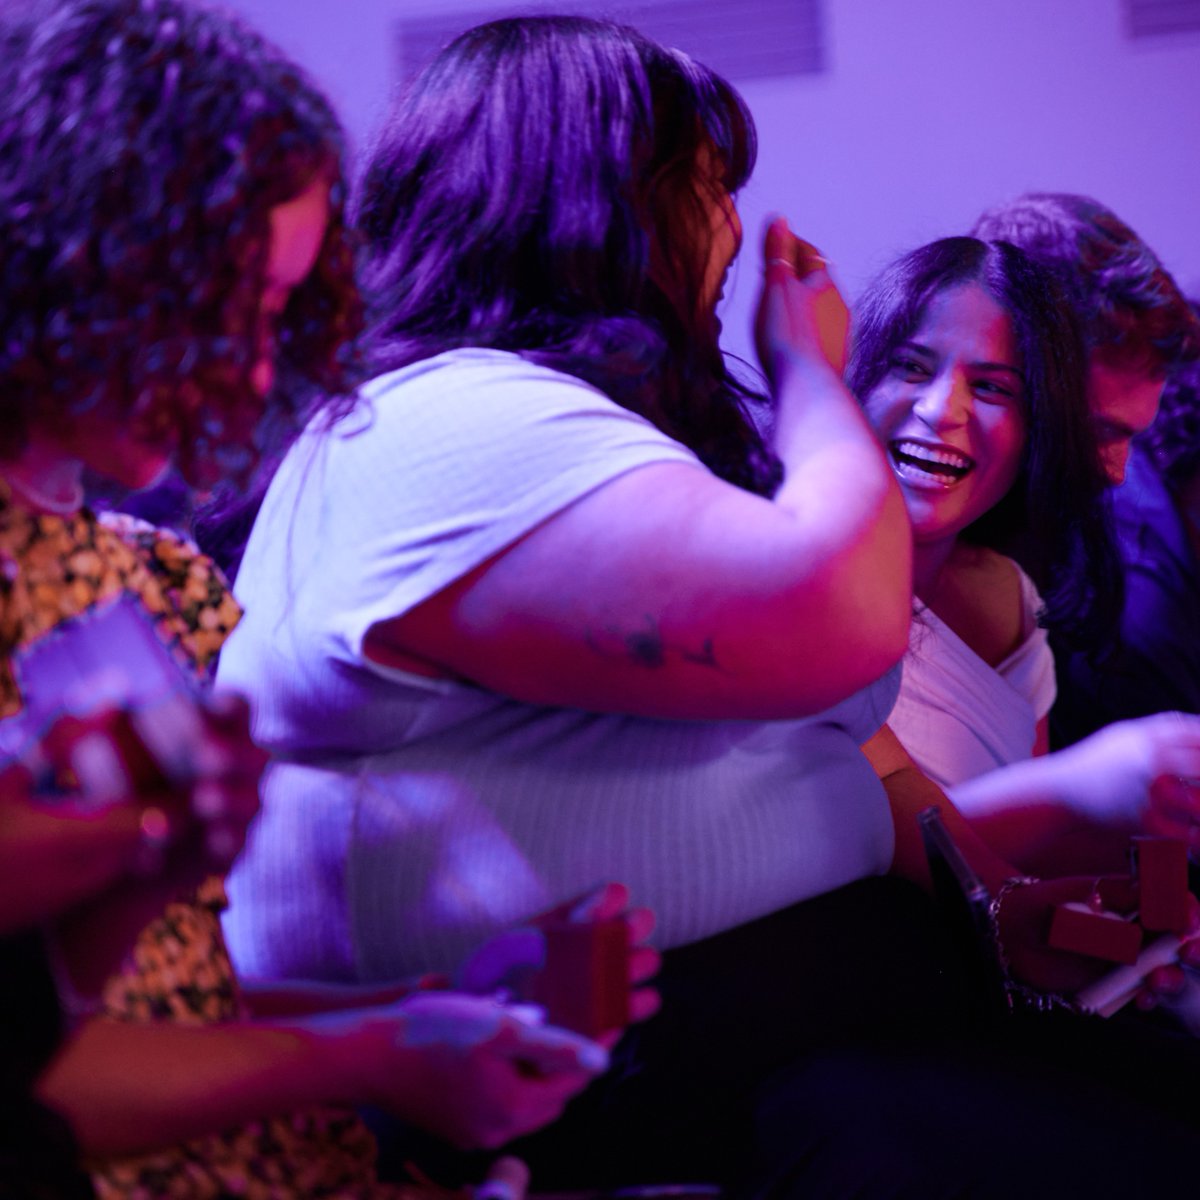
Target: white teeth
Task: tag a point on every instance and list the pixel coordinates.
(929, 466)
(948, 458)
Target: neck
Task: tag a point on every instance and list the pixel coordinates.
(45, 479)
(929, 558)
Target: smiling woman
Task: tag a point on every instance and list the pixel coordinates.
(972, 371)
(970, 366)
(950, 410)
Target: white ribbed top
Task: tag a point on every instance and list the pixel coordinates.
(959, 717)
(406, 819)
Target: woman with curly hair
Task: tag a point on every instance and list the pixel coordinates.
(173, 253)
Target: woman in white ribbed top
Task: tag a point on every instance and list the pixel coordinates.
(536, 616)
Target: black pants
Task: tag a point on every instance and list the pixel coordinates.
(838, 1049)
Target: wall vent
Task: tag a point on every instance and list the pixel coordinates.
(741, 39)
(1161, 18)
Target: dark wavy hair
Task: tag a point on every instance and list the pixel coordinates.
(1053, 518)
(1174, 439)
(538, 189)
(1132, 310)
(143, 145)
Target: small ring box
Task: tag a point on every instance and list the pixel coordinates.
(584, 985)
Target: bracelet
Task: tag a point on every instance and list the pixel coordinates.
(1016, 993)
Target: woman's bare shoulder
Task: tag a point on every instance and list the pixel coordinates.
(979, 597)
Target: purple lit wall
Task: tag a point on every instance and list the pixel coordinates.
(924, 112)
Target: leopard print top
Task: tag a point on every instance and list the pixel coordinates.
(52, 568)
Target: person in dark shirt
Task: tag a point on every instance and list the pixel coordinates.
(1156, 513)
(1143, 337)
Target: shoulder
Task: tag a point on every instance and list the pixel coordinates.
(142, 535)
(479, 419)
(982, 598)
(480, 388)
(167, 553)
(191, 586)
(470, 369)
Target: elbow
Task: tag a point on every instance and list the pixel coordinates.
(878, 647)
(877, 596)
(892, 614)
(889, 587)
(890, 643)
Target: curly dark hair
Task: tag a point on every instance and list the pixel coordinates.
(517, 197)
(1174, 438)
(1131, 307)
(143, 145)
(1054, 517)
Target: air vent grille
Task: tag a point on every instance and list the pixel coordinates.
(1160, 18)
(740, 39)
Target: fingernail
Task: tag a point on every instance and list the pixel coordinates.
(586, 905)
(530, 1014)
(593, 1057)
(508, 1179)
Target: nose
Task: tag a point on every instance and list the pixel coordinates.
(1114, 458)
(945, 401)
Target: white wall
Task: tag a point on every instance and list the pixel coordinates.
(934, 109)
(929, 111)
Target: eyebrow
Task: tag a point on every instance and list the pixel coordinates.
(975, 366)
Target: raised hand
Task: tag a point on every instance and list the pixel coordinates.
(800, 311)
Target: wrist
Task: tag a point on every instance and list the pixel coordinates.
(1070, 780)
(788, 367)
(361, 1057)
(1017, 993)
(340, 1050)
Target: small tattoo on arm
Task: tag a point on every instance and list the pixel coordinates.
(705, 657)
(647, 648)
